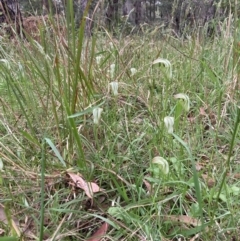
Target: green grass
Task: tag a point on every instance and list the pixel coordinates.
(48, 91)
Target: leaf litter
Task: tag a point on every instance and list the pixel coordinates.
(183, 219)
(98, 235)
(89, 187)
(10, 221)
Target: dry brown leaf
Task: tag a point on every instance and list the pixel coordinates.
(213, 118)
(183, 219)
(198, 166)
(2, 232)
(97, 236)
(196, 237)
(202, 111)
(3, 217)
(236, 175)
(14, 223)
(203, 158)
(209, 181)
(89, 187)
(191, 117)
(148, 185)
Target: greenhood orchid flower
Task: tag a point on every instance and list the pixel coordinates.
(159, 165)
(114, 87)
(97, 115)
(169, 122)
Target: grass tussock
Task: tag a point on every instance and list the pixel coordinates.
(129, 138)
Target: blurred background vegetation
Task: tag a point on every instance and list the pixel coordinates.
(181, 17)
